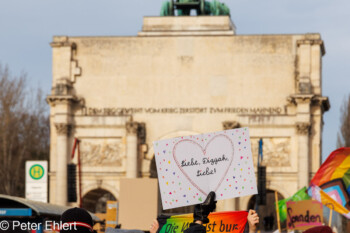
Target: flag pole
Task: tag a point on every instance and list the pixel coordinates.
(277, 212)
(330, 213)
(330, 218)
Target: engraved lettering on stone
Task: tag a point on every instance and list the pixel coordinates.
(122, 111)
(276, 151)
(260, 119)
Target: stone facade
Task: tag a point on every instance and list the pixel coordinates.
(181, 76)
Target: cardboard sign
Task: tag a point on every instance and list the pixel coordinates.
(133, 194)
(192, 166)
(302, 215)
(230, 221)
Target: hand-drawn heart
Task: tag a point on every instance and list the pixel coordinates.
(214, 160)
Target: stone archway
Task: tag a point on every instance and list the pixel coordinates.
(267, 213)
(96, 199)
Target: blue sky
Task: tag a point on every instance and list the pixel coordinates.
(27, 27)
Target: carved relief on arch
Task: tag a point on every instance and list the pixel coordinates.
(102, 152)
(276, 151)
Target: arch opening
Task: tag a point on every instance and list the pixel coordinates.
(95, 200)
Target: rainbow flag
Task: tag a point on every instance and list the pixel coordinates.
(228, 221)
(331, 183)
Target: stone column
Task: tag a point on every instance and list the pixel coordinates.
(63, 131)
(131, 150)
(303, 131)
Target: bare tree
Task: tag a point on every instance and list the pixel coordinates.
(344, 134)
(24, 130)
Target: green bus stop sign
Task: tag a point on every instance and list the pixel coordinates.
(36, 171)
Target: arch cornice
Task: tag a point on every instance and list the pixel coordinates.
(92, 186)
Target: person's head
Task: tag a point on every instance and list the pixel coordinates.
(79, 220)
(320, 229)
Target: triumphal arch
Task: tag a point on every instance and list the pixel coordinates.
(180, 76)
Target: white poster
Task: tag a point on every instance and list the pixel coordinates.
(36, 180)
(190, 167)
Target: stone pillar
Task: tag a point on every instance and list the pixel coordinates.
(63, 131)
(303, 131)
(131, 150)
(303, 103)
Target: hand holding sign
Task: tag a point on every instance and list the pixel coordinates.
(154, 226)
(190, 167)
(201, 211)
(253, 220)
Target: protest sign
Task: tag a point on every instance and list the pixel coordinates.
(192, 166)
(229, 221)
(298, 196)
(302, 215)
